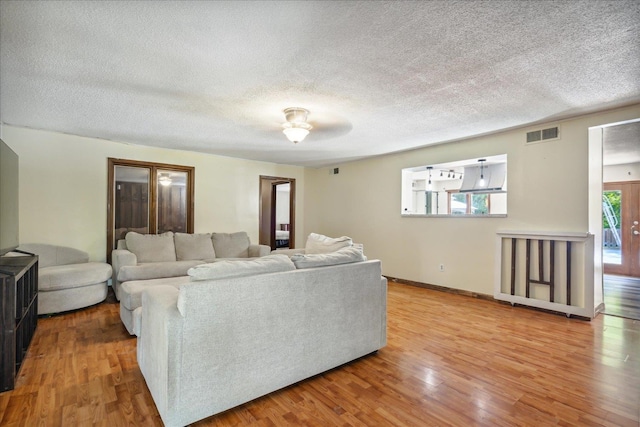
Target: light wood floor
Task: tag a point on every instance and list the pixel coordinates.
(622, 296)
(450, 360)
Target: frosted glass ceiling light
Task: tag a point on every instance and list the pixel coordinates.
(164, 179)
(296, 127)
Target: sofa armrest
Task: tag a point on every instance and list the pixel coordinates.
(120, 258)
(160, 344)
(287, 252)
(258, 250)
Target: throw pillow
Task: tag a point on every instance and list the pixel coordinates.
(341, 256)
(194, 246)
(151, 247)
(227, 269)
(321, 244)
(231, 245)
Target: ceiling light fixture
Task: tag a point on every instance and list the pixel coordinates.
(430, 187)
(296, 127)
(164, 179)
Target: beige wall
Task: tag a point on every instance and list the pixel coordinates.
(548, 191)
(63, 188)
(63, 197)
(621, 173)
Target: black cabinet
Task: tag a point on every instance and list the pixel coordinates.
(18, 313)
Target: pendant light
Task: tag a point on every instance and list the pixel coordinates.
(482, 183)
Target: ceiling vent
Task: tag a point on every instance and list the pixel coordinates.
(543, 135)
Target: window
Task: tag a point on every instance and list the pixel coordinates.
(469, 204)
(473, 187)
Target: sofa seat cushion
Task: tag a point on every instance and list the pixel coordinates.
(151, 247)
(194, 246)
(155, 270)
(341, 256)
(321, 244)
(131, 296)
(231, 245)
(226, 268)
(73, 275)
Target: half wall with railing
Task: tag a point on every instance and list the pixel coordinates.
(548, 270)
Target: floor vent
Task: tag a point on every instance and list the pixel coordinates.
(543, 135)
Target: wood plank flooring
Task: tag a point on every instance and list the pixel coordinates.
(450, 360)
(622, 296)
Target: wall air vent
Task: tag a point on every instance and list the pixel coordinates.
(543, 135)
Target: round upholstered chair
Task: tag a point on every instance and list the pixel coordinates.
(66, 278)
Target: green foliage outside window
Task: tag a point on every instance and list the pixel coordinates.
(480, 204)
(614, 199)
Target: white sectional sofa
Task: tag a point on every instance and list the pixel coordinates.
(234, 331)
(155, 256)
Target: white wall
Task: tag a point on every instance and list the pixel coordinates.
(621, 173)
(282, 205)
(63, 188)
(63, 191)
(548, 191)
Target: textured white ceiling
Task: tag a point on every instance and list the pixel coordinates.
(377, 77)
(621, 144)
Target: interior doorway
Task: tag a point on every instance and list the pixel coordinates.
(277, 212)
(621, 219)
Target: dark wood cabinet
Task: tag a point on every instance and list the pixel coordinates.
(18, 313)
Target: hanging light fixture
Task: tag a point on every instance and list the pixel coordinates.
(296, 127)
(429, 186)
(482, 183)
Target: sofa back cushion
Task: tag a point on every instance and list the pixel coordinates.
(321, 244)
(50, 255)
(226, 269)
(194, 246)
(151, 247)
(341, 256)
(231, 245)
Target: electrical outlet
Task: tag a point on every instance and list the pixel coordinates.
(441, 267)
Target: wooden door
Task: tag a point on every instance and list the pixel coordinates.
(148, 197)
(622, 245)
